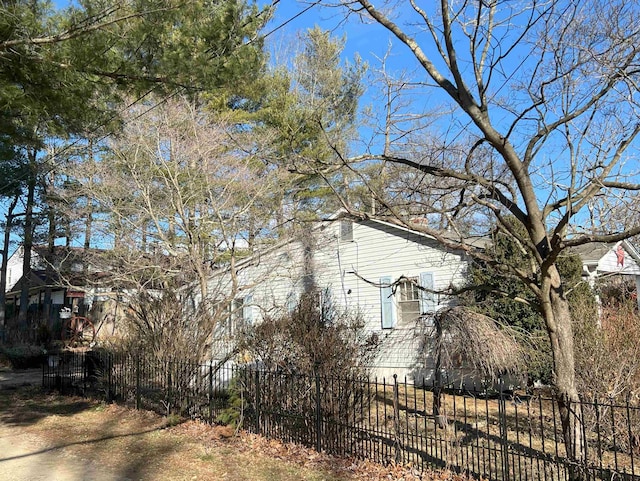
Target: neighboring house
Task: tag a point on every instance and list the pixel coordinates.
(58, 279)
(14, 268)
(357, 261)
(616, 261)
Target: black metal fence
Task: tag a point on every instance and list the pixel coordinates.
(501, 437)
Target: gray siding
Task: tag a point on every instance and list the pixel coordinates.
(352, 271)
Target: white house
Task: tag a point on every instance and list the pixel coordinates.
(601, 260)
(358, 261)
(14, 268)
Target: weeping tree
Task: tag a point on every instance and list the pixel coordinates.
(463, 339)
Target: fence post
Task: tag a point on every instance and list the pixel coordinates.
(168, 386)
(502, 414)
(257, 401)
(85, 372)
(109, 376)
(210, 392)
(396, 418)
(318, 412)
(137, 380)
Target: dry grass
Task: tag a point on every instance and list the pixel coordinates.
(532, 429)
(141, 445)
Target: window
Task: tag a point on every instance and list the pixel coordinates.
(241, 315)
(408, 296)
(346, 231)
(407, 299)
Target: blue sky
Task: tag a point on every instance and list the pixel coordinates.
(370, 42)
(508, 93)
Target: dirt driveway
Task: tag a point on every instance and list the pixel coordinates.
(24, 456)
(10, 378)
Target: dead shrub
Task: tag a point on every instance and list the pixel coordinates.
(608, 372)
(317, 347)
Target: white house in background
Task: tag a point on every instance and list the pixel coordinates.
(357, 261)
(602, 260)
(14, 268)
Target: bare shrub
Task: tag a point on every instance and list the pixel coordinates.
(608, 352)
(316, 336)
(318, 348)
(168, 325)
(608, 372)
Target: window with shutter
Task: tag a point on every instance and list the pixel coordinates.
(428, 301)
(236, 317)
(346, 231)
(247, 310)
(292, 302)
(386, 303)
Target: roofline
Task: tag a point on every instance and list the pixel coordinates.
(632, 250)
(319, 224)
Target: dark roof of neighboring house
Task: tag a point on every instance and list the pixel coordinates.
(594, 251)
(37, 279)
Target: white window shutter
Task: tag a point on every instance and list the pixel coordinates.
(427, 298)
(386, 303)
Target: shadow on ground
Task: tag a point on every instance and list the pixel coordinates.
(24, 406)
(96, 440)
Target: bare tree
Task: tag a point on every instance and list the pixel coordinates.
(181, 194)
(543, 115)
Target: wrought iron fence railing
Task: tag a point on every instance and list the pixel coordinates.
(502, 436)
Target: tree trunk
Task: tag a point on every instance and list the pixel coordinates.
(88, 226)
(5, 260)
(561, 337)
(89, 215)
(28, 241)
(51, 238)
(438, 415)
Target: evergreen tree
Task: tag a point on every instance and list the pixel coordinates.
(311, 109)
(65, 73)
(505, 298)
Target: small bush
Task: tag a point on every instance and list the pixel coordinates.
(232, 414)
(24, 356)
(316, 336)
(173, 420)
(317, 345)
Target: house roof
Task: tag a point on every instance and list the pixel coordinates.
(321, 224)
(593, 252)
(37, 279)
(479, 242)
